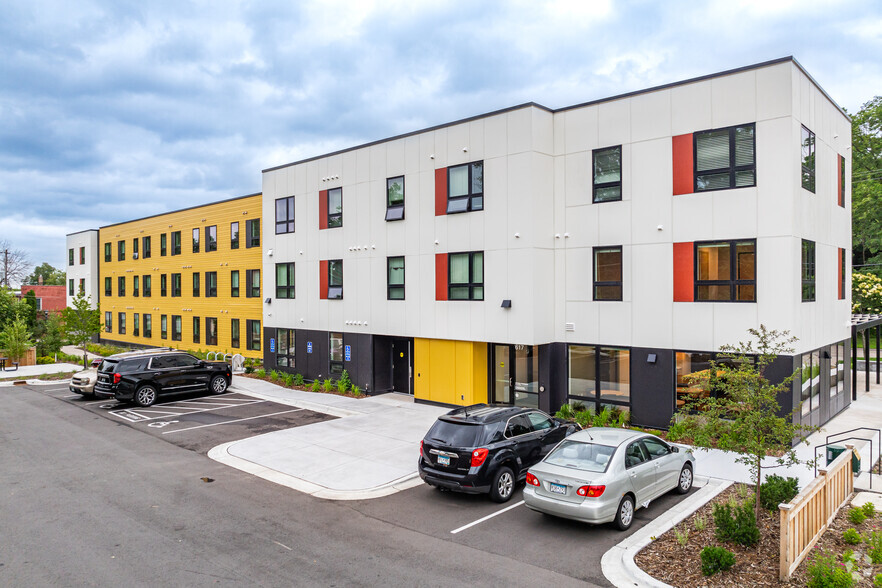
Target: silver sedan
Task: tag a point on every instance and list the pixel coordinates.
(603, 475)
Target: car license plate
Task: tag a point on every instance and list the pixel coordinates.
(443, 460)
(557, 488)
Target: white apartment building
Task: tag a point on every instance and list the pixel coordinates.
(82, 265)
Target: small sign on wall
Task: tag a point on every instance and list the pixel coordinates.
(347, 352)
(309, 346)
(272, 344)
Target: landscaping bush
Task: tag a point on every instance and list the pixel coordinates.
(328, 385)
(869, 509)
(274, 375)
(716, 559)
(298, 379)
(736, 523)
(851, 536)
(584, 418)
(777, 490)
(826, 572)
(624, 417)
(316, 386)
(260, 373)
(44, 360)
(356, 391)
(856, 516)
(566, 412)
(874, 546)
(677, 431)
(344, 383)
(289, 379)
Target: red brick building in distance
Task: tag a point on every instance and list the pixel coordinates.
(49, 298)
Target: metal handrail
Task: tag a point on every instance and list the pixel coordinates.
(853, 437)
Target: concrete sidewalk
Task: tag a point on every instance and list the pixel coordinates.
(370, 451)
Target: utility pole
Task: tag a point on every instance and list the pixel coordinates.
(6, 267)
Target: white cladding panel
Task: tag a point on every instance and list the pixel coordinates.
(83, 271)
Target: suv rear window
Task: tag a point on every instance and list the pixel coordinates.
(107, 366)
(455, 434)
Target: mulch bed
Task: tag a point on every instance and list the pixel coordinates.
(680, 565)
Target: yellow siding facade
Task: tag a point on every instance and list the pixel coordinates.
(224, 307)
(451, 372)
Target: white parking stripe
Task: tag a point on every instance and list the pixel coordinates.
(233, 421)
(490, 516)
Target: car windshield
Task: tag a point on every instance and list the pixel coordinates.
(588, 457)
(454, 434)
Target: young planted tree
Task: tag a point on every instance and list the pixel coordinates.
(81, 322)
(745, 416)
(15, 339)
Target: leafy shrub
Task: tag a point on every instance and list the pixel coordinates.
(298, 379)
(356, 391)
(877, 581)
(856, 516)
(700, 523)
(328, 385)
(44, 360)
(584, 418)
(260, 373)
(316, 386)
(274, 375)
(777, 490)
(716, 559)
(344, 383)
(578, 406)
(736, 523)
(623, 419)
(825, 572)
(869, 509)
(866, 293)
(874, 545)
(566, 412)
(682, 536)
(602, 418)
(677, 431)
(289, 379)
(851, 536)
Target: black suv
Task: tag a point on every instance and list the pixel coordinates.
(143, 376)
(480, 448)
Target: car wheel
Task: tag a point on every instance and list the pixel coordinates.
(625, 513)
(503, 485)
(145, 396)
(218, 385)
(684, 482)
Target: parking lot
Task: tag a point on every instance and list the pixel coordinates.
(195, 421)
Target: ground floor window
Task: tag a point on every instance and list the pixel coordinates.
(163, 326)
(234, 333)
(122, 323)
(210, 331)
(696, 364)
(837, 368)
(136, 320)
(253, 341)
(336, 353)
(176, 327)
(108, 322)
(148, 325)
(285, 347)
(599, 376)
(810, 381)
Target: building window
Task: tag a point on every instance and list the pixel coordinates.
(120, 251)
(842, 181)
(210, 331)
(810, 393)
(108, 322)
(121, 320)
(285, 348)
(693, 391)
(253, 341)
(395, 278)
(145, 245)
(466, 276)
(70, 257)
(135, 248)
(195, 284)
(211, 284)
(211, 238)
(725, 158)
(252, 233)
(284, 280)
(808, 160)
(196, 240)
(136, 323)
(607, 174)
(465, 187)
(234, 333)
(70, 287)
(395, 198)
(176, 284)
(163, 244)
(148, 286)
(285, 215)
(336, 355)
(725, 271)
(808, 271)
(148, 325)
(176, 243)
(163, 326)
(121, 286)
(163, 285)
(608, 273)
(234, 235)
(107, 252)
(252, 283)
(843, 274)
(599, 376)
(195, 329)
(176, 327)
(136, 286)
(82, 285)
(234, 283)
(108, 287)
(82, 255)
(335, 279)
(335, 208)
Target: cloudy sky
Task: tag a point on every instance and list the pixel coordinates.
(115, 109)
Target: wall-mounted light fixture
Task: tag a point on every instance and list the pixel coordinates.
(506, 303)
(269, 300)
(651, 358)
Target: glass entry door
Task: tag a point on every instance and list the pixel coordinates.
(516, 375)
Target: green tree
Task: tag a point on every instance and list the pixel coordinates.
(81, 322)
(51, 275)
(15, 339)
(866, 184)
(11, 308)
(30, 299)
(49, 333)
(745, 416)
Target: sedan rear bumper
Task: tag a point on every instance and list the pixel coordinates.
(591, 510)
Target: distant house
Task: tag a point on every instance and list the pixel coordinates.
(49, 298)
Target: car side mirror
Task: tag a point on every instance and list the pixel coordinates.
(675, 449)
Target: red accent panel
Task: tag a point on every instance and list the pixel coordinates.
(323, 277)
(441, 194)
(323, 224)
(839, 195)
(841, 271)
(682, 160)
(440, 276)
(684, 272)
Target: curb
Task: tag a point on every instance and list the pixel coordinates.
(618, 564)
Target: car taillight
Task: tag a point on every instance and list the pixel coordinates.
(532, 480)
(591, 491)
(478, 456)
(117, 378)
